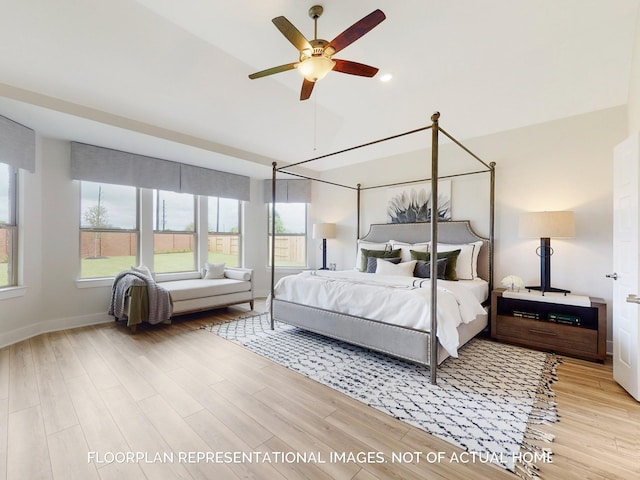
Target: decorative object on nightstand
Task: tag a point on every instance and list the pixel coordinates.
(545, 225)
(324, 231)
(512, 282)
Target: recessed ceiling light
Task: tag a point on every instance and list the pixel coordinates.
(386, 77)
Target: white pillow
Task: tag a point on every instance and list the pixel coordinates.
(143, 269)
(367, 246)
(404, 269)
(238, 275)
(213, 270)
(405, 248)
(467, 264)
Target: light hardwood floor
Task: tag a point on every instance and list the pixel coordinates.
(72, 401)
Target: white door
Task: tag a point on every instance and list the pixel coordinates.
(626, 296)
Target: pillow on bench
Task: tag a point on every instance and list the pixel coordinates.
(213, 270)
(237, 274)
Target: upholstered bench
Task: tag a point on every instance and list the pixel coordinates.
(234, 286)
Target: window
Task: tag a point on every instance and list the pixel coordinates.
(8, 226)
(174, 225)
(108, 229)
(291, 235)
(224, 231)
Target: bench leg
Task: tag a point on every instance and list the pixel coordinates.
(251, 304)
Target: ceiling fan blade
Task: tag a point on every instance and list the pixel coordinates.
(307, 88)
(354, 68)
(357, 30)
(272, 70)
(291, 33)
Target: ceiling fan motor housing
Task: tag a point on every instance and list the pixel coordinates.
(317, 49)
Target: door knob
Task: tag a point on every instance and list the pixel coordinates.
(613, 275)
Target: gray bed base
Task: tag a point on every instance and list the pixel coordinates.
(402, 342)
(397, 341)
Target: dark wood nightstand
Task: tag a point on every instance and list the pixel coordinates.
(578, 331)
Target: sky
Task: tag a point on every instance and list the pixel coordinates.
(120, 204)
(119, 201)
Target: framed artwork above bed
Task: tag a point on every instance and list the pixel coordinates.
(412, 203)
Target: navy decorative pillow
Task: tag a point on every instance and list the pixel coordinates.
(423, 269)
(372, 263)
(366, 254)
(452, 259)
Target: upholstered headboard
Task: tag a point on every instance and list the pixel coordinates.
(448, 232)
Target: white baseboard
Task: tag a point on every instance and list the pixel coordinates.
(53, 325)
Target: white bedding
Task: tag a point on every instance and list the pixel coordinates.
(477, 286)
(389, 299)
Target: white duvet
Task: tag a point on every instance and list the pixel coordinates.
(398, 300)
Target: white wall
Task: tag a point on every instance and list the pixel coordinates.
(634, 84)
(49, 259)
(560, 165)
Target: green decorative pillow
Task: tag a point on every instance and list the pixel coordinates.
(452, 258)
(377, 254)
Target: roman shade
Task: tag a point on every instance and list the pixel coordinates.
(98, 164)
(288, 191)
(214, 183)
(17, 145)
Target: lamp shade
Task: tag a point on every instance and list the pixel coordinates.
(324, 230)
(547, 225)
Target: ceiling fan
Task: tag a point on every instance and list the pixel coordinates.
(316, 55)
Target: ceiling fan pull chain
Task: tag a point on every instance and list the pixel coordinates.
(315, 122)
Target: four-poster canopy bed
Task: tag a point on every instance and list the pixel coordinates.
(419, 313)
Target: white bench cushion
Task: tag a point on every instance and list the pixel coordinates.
(199, 288)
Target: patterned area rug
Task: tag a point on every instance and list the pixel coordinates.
(487, 401)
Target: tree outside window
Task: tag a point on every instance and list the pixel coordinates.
(108, 229)
(291, 234)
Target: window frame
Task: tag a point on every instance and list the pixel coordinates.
(12, 227)
(194, 233)
(82, 229)
(305, 235)
(239, 233)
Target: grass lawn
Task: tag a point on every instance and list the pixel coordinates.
(164, 262)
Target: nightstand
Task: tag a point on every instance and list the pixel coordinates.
(570, 325)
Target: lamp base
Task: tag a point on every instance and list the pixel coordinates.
(547, 289)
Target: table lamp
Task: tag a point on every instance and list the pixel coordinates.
(545, 225)
(324, 231)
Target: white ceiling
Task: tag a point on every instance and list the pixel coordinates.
(169, 77)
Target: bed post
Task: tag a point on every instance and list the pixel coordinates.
(433, 340)
(273, 242)
(492, 221)
(358, 213)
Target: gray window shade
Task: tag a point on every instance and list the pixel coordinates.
(98, 164)
(17, 145)
(289, 191)
(204, 181)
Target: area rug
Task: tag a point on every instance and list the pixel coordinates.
(488, 401)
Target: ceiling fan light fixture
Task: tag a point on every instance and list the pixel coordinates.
(316, 67)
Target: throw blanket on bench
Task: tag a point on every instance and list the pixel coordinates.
(159, 299)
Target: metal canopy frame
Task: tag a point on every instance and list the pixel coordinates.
(434, 178)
